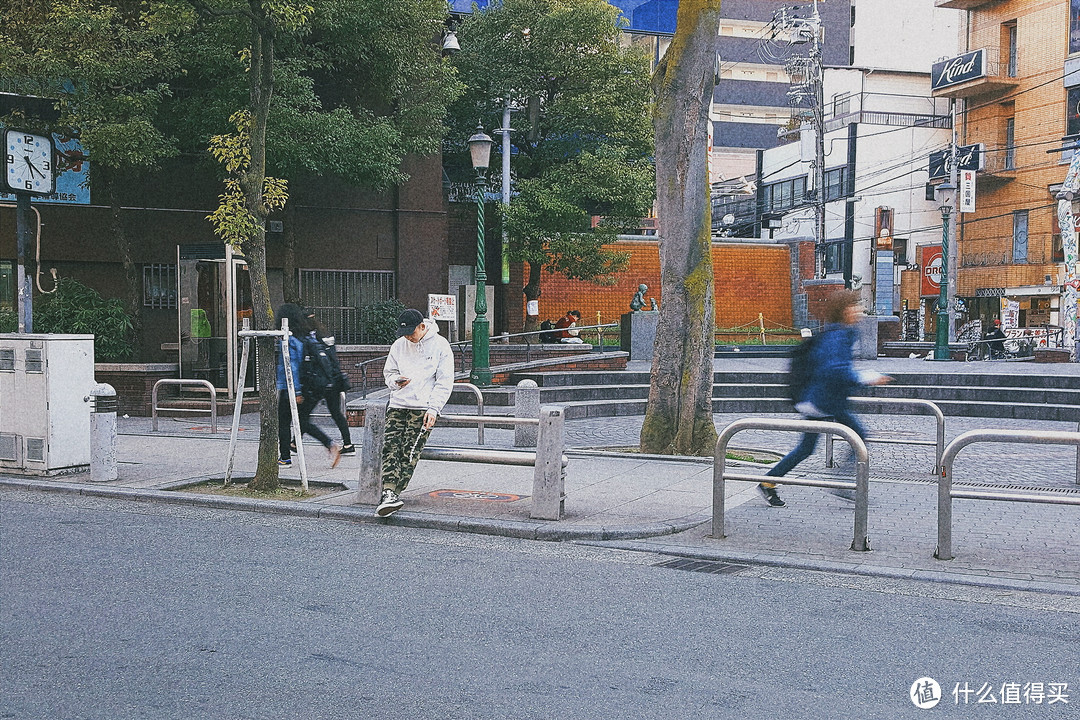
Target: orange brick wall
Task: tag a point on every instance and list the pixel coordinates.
(749, 279)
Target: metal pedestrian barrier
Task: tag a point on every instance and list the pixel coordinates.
(861, 540)
(932, 409)
(946, 491)
(548, 461)
(172, 381)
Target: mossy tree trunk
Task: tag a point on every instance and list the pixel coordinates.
(679, 415)
(261, 86)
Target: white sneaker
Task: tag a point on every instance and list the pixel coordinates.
(390, 504)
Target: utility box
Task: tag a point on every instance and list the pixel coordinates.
(44, 421)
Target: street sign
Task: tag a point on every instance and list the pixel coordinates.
(442, 307)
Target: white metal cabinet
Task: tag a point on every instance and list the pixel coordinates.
(44, 421)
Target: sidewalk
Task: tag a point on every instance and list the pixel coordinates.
(664, 505)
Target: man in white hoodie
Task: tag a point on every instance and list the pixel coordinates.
(420, 374)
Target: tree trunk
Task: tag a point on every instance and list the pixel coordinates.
(261, 86)
(678, 419)
(532, 292)
(131, 273)
(288, 272)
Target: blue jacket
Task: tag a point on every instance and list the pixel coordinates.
(834, 378)
(296, 354)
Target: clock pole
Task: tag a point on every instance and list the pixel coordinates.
(22, 233)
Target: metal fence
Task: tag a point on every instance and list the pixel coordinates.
(861, 486)
(339, 297)
(946, 491)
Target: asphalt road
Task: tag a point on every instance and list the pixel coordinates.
(114, 610)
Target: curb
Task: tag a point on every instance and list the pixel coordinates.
(833, 566)
(523, 529)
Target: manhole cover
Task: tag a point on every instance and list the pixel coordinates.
(473, 495)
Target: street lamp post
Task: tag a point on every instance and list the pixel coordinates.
(946, 193)
(480, 152)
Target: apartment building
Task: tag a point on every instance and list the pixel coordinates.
(1015, 79)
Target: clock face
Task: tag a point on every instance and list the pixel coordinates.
(28, 163)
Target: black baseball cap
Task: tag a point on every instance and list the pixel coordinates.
(407, 322)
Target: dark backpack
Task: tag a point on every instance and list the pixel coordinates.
(317, 372)
(548, 337)
(801, 368)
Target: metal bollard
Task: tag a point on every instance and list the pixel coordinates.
(526, 405)
(102, 399)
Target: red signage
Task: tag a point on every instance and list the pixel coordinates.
(930, 262)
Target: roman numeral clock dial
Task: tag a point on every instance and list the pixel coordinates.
(28, 163)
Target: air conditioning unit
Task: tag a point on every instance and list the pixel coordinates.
(44, 422)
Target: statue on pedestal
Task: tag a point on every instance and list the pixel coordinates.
(639, 298)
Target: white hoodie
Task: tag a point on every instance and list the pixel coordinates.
(429, 365)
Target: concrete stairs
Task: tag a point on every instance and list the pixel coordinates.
(1031, 396)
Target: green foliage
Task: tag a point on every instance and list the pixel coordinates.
(9, 321)
(76, 309)
(584, 131)
(378, 322)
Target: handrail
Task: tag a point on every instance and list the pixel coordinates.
(938, 443)
(861, 486)
(479, 408)
(946, 493)
(184, 381)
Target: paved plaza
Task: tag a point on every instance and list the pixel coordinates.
(615, 496)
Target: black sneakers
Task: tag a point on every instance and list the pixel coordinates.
(348, 449)
(390, 504)
(769, 493)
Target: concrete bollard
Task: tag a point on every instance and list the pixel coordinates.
(369, 491)
(548, 477)
(526, 405)
(102, 399)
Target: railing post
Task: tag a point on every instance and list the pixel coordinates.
(547, 500)
(828, 450)
(944, 519)
(719, 464)
(369, 490)
(861, 541)
(526, 405)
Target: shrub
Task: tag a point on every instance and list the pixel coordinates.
(378, 322)
(76, 309)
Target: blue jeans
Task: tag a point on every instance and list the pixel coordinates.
(808, 442)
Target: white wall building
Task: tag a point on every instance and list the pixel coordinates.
(881, 124)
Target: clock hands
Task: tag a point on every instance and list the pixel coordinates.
(33, 167)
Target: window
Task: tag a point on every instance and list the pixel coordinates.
(1020, 236)
(1010, 144)
(159, 286)
(1072, 112)
(1010, 48)
(834, 256)
(1074, 27)
(835, 183)
(339, 296)
(785, 194)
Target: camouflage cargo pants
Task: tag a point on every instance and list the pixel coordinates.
(405, 438)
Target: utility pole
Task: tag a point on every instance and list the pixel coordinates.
(807, 74)
(953, 258)
(819, 144)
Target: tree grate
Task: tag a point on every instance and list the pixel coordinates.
(711, 567)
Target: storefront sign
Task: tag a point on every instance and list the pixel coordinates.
(989, 292)
(968, 157)
(960, 69)
(967, 191)
(930, 262)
